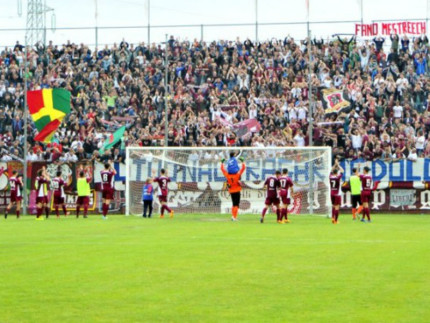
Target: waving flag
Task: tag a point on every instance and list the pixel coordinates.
(113, 139)
(48, 107)
(334, 101)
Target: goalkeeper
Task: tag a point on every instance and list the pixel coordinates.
(234, 185)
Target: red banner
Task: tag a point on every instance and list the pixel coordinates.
(388, 28)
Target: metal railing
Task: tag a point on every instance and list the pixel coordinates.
(98, 36)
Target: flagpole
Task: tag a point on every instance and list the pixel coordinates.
(25, 204)
(166, 122)
(310, 113)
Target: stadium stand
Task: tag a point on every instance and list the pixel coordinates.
(379, 107)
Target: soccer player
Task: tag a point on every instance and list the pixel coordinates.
(234, 188)
(147, 197)
(335, 178)
(42, 182)
(366, 191)
(355, 185)
(286, 189)
(84, 192)
(15, 194)
(271, 185)
(58, 186)
(163, 190)
(107, 176)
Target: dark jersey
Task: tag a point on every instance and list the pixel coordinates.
(366, 182)
(335, 184)
(42, 186)
(15, 186)
(285, 183)
(272, 183)
(107, 179)
(162, 185)
(57, 185)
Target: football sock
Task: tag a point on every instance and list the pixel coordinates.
(105, 209)
(354, 213)
(336, 214)
(333, 213)
(85, 210)
(235, 211)
(360, 208)
(167, 208)
(57, 212)
(39, 212)
(264, 212)
(64, 210)
(17, 213)
(5, 213)
(47, 211)
(278, 214)
(162, 210)
(78, 208)
(285, 211)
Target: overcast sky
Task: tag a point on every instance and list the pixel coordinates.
(191, 12)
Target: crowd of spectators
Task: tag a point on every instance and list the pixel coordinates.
(387, 85)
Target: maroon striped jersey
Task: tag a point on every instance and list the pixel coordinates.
(272, 183)
(15, 186)
(366, 182)
(162, 185)
(335, 184)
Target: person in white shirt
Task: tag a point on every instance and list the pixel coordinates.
(252, 112)
(296, 92)
(398, 110)
(292, 110)
(299, 139)
(357, 139)
(420, 142)
(302, 110)
(413, 156)
(402, 84)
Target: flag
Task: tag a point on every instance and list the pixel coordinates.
(113, 139)
(48, 107)
(334, 101)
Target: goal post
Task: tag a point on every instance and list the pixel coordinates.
(198, 185)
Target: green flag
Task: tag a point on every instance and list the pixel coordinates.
(113, 139)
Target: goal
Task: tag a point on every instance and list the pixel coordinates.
(198, 185)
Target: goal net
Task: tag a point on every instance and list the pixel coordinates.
(198, 185)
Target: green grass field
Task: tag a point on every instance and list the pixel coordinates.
(207, 269)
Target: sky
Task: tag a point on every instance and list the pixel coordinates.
(123, 13)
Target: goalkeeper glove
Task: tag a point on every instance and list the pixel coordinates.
(223, 160)
(241, 159)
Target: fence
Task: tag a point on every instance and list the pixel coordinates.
(99, 36)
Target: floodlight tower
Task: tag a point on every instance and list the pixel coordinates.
(36, 21)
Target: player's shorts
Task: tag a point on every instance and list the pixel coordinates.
(285, 200)
(107, 194)
(14, 198)
(162, 198)
(235, 198)
(365, 196)
(83, 200)
(355, 200)
(42, 200)
(58, 200)
(272, 200)
(336, 199)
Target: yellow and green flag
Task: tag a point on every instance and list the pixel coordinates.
(48, 107)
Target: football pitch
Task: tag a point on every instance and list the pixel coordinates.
(204, 268)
